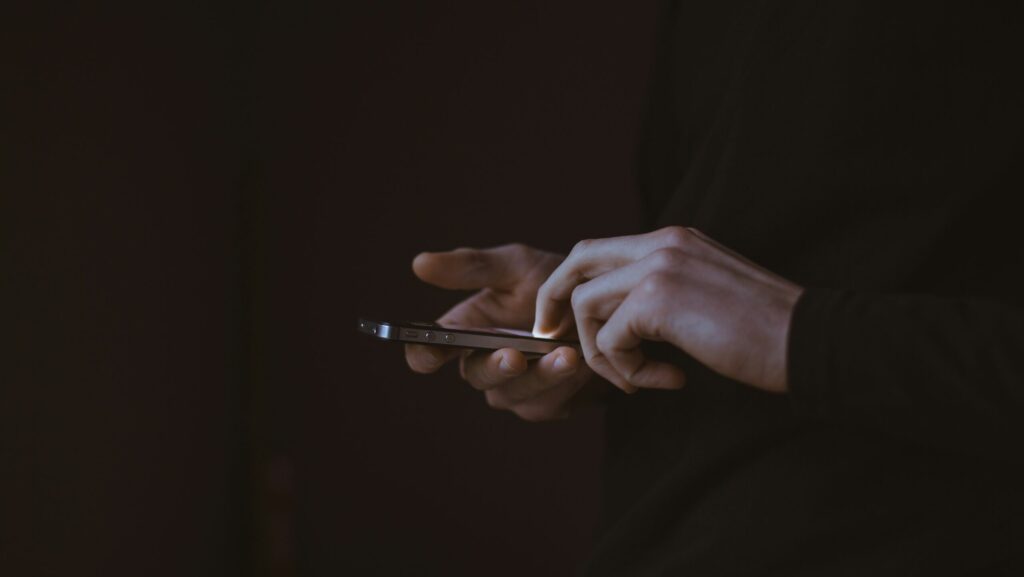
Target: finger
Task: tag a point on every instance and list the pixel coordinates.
(591, 258)
(596, 361)
(428, 359)
(599, 297)
(488, 370)
(619, 342)
(588, 329)
(557, 403)
(552, 404)
(595, 301)
(587, 260)
(471, 312)
(551, 371)
(472, 269)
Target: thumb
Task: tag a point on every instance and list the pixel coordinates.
(470, 268)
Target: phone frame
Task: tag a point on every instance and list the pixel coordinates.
(437, 335)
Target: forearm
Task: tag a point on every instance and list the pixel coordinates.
(944, 372)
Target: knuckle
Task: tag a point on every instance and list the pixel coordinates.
(578, 299)
(629, 374)
(667, 258)
(656, 284)
(605, 342)
(676, 236)
(517, 250)
(582, 246)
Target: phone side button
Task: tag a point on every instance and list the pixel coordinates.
(428, 336)
(448, 338)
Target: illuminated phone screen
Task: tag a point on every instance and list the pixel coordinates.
(501, 331)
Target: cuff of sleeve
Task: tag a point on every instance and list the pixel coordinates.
(810, 352)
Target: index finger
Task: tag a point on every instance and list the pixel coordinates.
(592, 258)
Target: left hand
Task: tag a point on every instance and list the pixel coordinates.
(676, 285)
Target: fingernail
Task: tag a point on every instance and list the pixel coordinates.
(504, 365)
(561, 365)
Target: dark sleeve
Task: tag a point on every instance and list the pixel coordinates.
(942, 372)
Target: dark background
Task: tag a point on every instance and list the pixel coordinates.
(196, 202)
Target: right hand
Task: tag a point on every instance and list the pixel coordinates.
(507, 278)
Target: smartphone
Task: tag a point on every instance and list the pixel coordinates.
(483, 338)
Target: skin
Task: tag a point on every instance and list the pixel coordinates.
(674, 285)
(506, 279)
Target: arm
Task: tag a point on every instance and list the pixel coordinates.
(946, 373)
(943, 372)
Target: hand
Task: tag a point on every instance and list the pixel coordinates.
(507, 278)
(673, 285)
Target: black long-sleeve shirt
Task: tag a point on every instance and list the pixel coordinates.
(872, 152)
